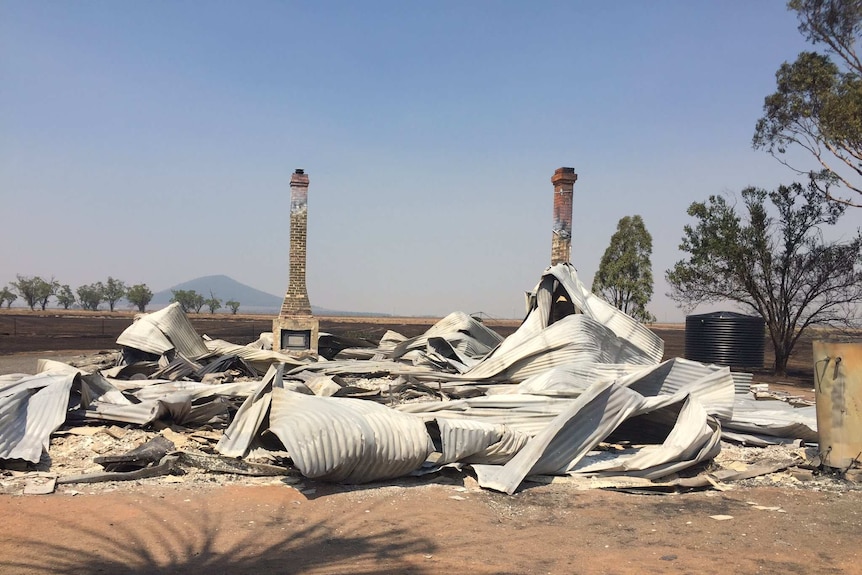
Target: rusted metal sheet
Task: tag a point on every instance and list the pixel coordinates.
(838, 391)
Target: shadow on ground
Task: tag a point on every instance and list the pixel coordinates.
(156, 537)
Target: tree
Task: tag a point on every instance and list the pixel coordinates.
(8, 296)
(213, 303)
(35, 290)
(777, 266)
(625, 272)
(46, 290)
(233, 305)
(817, 105)
(198, 303)
(114, 291)
(139, 295)
(90, 296)
(65, 297)
(189, 300)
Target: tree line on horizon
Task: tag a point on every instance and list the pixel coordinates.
(36, 291)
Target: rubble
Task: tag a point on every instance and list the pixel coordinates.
(577, 392)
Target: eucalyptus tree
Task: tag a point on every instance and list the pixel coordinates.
(772, 260)
(625, 277)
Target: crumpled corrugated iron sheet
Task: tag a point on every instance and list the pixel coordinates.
(763, 423)
(163, 330)
(563, 277)
(473, 441)
(577, 372)
(594, 417)
(605, 382)
(539, 344)
(258, 358)
(31, 408)
(347, 440)
(465, 334)
(245, 427)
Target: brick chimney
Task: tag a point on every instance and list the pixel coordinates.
(295, 329)
(561, 242)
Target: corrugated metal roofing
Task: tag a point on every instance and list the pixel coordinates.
(483, 339)
(260, 359)
(471, 441)
(347, 440)
(30, 410)
(552, 392)
(163, 330)
(561, 444)
(772, 418)
(623, 325)
(145, 336)
(240, 434)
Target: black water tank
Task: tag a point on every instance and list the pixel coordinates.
(725, 338)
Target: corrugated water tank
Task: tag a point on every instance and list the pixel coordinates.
(725, 338)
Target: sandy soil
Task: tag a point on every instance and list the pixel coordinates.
(417, 528)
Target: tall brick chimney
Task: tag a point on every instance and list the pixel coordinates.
(561, 242)
(295, 329)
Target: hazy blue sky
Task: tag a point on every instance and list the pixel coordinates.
(154, 141)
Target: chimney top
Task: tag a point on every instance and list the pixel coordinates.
(299, 171)
(564, 176)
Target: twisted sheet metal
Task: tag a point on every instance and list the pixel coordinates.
(623, 325)
(163, 330)
(774, 419)
(260, 359)
(711, 385)
(93, 386)
(593, 417)
(563, 442)
(246, 424)
(31, 408)
(347, 440)
(471, 441)
(479, 337)
(692, 438)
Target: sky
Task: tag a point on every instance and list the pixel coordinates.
(154, 141)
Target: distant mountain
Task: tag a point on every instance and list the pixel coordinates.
(224, 288)
(250, 299)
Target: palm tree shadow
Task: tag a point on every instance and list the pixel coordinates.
(159, 538)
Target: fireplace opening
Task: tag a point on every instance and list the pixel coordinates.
(295, 339)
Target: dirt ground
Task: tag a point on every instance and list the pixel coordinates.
(435, 524)
(441, 525)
